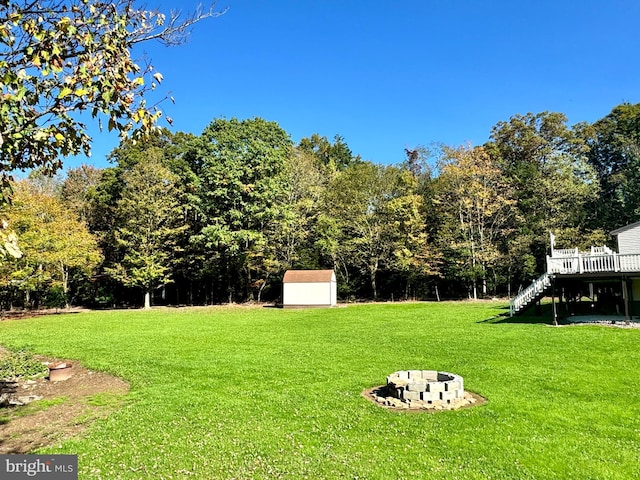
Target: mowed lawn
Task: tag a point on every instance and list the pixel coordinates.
(240, 393)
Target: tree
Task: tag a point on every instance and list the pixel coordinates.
(241, 167)
(54, 241)
(79, 189)
(614, 153)
(150, 222)
(333, 156)
(295, 234)
(545, 164)
(372, 220)
(59, 58)
(478, 212)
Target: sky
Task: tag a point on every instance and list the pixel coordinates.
(398, 74)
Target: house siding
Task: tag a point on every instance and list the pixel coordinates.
(629, 240)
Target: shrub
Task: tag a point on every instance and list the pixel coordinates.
(21, 365)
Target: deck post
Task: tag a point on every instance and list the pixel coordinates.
(625, 298)
(553, 301)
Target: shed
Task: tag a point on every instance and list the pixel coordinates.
(309, 288)
(628, 238)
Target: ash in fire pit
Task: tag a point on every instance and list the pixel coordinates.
(423, 389)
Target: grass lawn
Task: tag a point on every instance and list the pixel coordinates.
(239, 393)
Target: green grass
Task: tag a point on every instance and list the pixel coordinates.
(243, 393)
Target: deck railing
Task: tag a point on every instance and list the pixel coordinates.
(524, 298)
(574, 252)
(596, 263)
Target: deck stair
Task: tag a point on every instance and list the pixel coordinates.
(530, 295)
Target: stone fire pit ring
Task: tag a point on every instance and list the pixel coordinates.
(428, 387)
(423, 390)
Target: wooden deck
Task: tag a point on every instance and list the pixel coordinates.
(580, 263)
(599, 261)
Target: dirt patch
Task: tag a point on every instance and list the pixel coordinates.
(65, 410)
(26, 314)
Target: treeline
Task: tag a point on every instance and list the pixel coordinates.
(215, 218)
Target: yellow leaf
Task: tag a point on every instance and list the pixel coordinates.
(66, 91)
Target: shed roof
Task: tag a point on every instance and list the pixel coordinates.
(308, 276)
(626, 227)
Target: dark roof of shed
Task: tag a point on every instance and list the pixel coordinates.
(307, 276)
(626, 227)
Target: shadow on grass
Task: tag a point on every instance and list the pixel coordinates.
(536, 314)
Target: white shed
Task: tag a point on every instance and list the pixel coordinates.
(309, 288)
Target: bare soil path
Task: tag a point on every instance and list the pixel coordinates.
(67, 409)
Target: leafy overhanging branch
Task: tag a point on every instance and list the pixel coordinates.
(59, 58)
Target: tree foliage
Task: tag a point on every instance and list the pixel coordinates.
(219, 217)
(333, 156)
(477, 210)
(60, 58)
(150, 219)
(544, 161)
(614, 153)
(373, 220)
(57, 246)
(241, 167)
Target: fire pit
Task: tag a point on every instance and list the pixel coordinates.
(423, 389)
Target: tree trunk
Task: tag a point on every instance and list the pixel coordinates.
(373, 270)
(262, 287)
(147, 300)
(65, 284)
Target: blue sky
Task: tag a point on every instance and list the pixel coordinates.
(392, 75)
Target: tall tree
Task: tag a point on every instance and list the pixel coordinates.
(78, 190)
(545, 163)
(241, 167)
(478, 211)
(372, 219)
(614, 143)
(294, 237)
(54, 241)
(150, 219)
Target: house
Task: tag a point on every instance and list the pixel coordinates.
(309, 288)
(611, 280)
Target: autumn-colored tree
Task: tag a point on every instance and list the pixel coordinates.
(478, 210)
(373, 221)
(54, 241)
